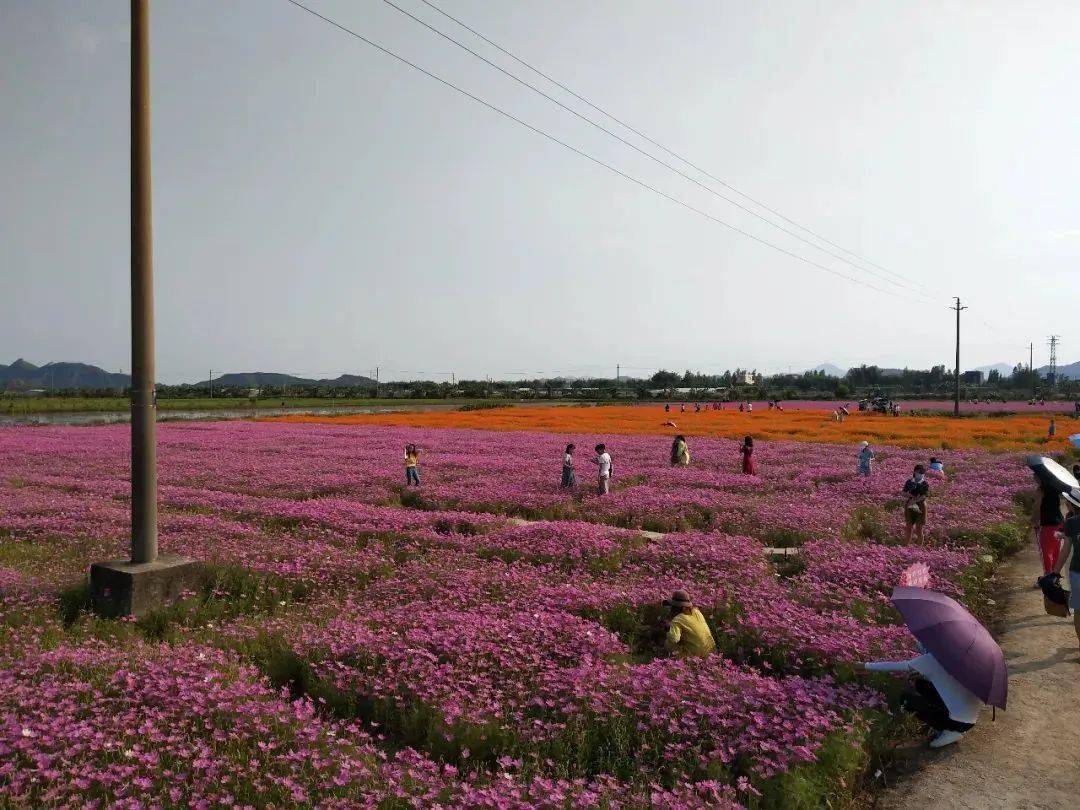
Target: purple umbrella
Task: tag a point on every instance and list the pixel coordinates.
(955, 638)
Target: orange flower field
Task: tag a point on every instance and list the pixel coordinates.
(1015, 432)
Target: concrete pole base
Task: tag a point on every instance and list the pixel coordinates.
(123, 588)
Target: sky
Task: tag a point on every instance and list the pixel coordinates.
(320, 208)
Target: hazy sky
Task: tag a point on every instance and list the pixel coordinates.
(320, 208)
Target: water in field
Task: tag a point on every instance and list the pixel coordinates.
(113, 417)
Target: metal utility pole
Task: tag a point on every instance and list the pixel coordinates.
(1052, 377)
(211, 383)
(956, 401)
(1031, 369)
(143, 417)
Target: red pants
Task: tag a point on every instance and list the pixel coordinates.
(1050, 546)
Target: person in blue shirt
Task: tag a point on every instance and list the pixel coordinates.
(866, 458)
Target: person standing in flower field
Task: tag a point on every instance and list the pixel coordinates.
(680, 452)
(746, 450)
(916, 490)
(603, 462)
(1071, 530)
(688, 634)
(866, 458)
(412, 465)
(568, 479)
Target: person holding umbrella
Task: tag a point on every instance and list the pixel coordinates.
(1072, 537)
(1047, 516)
(960, 667)
(935, 696)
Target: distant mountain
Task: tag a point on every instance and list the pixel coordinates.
(1071, 371)
(22, 375)
(830, 370)
(259, 379)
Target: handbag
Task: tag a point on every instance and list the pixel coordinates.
(1055, 598)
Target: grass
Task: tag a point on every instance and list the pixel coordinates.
(224, 593)
(17, 406)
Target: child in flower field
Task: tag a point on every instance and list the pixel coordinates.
(747, 453)
(412, 465)
(568, 479)
(917, 490)
(688, 634)
(936, 468)
(866, 458)
(603, 463)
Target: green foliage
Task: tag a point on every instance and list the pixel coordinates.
(866, 523)
(224, 593)
(784, 537)
(832, 780)
(481, 406)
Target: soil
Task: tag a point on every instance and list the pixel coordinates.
(1030, 755)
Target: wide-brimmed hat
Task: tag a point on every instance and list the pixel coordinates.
(1072, 496)
(679, 599)
(864, 444)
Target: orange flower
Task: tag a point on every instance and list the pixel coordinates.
(1020, 432)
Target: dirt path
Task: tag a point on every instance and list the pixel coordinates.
(1029, 757)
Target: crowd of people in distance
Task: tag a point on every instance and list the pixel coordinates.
(934, 696)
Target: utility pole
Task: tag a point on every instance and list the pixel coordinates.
(1031, 370)
(1052, 377)
(135, 586)
(376, 382)
(211, 383)
(143, 418)
(956, 401)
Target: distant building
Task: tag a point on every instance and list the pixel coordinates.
(747, 378)
(972, 377)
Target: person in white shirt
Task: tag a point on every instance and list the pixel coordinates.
(936, 697)
(603, 461)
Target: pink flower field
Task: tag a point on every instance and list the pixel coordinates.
(483, 640)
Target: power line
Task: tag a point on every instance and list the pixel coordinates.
(641, 151)
(586, 155)
(659, 145)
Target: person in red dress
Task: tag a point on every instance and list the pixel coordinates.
(747, 452)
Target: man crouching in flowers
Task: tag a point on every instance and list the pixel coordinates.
(688, 634)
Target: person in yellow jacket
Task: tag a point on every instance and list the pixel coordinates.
(688, 633)
(412, 465)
